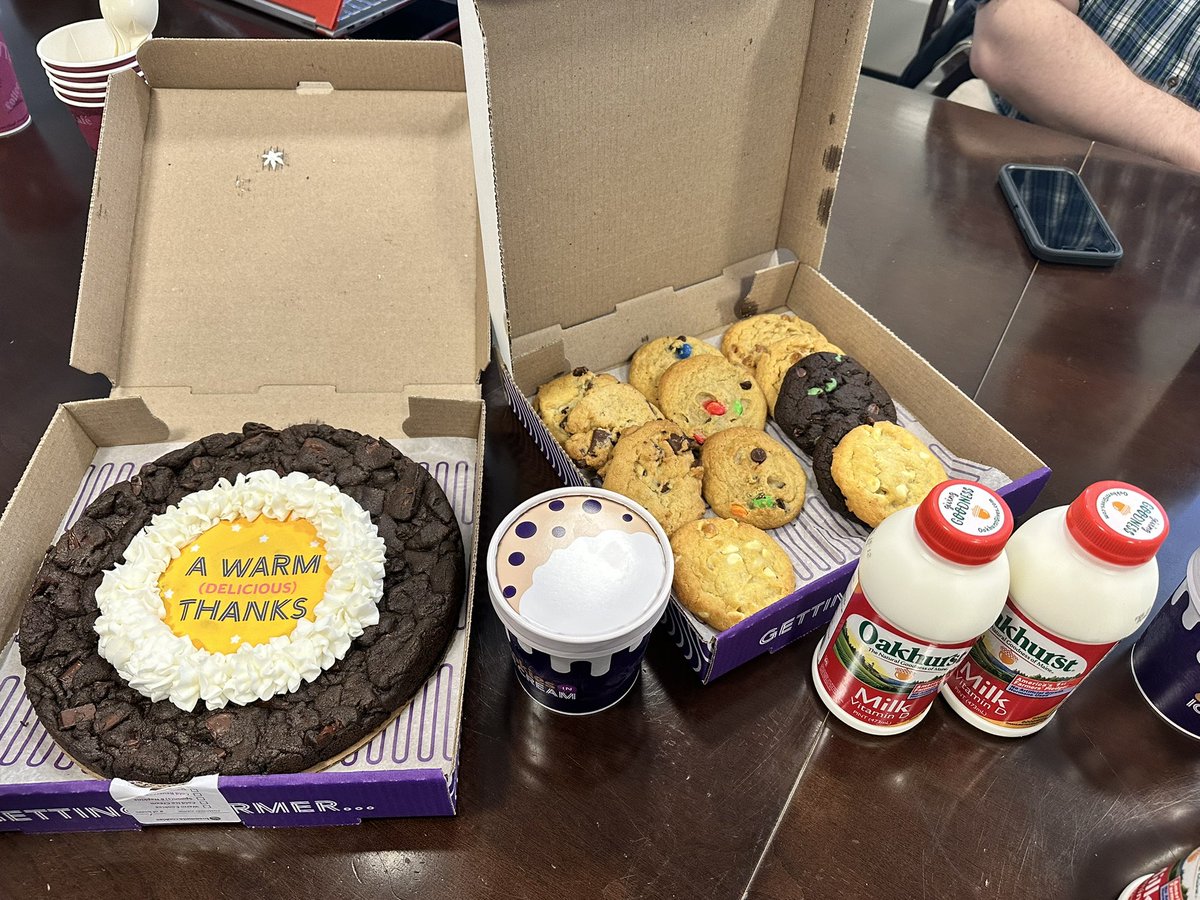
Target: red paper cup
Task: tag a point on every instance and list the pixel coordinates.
(87, 116)
(14, 114)
(73, 96)
(87, 47)
(96, 90)
(88, 121)
(90, 100)
(89, 79)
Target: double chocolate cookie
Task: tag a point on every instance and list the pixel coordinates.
(116, 731)
(823, 388)
(822, 463)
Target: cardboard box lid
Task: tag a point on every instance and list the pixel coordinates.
(625, 147)
(353, 264)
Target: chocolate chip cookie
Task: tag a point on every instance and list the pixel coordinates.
(751, 477)
(746, 340)
(596, 422)
(555, 399)
(655, 465)
(824, 387)
(726, 571)
(883, 468)
(116, 731)
(656, 356)
(707, 394)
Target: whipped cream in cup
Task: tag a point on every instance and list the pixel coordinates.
(579, 577)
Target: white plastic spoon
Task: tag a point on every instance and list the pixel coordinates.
(132, 21)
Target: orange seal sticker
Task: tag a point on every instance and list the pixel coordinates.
(244, 582)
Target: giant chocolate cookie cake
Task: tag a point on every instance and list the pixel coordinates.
(255, 602)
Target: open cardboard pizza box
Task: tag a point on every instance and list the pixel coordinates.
(650, 169)
(342, 283)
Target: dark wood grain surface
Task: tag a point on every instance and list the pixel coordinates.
(915, 235)
(1098, 371)
(694, 791)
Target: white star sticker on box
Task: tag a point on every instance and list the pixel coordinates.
(263, 539)
(168, 593)
(235, 528)
(313, 544)
(273, 159)
(195, 548)
(235, 639)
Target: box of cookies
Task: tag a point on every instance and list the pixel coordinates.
(655, 184)
(239, 589)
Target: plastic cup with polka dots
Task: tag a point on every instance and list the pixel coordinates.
(579, 577)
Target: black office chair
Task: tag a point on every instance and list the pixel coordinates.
(944, 60)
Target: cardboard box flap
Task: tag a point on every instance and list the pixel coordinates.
(318, 228)
(636, 146)
(281, 65)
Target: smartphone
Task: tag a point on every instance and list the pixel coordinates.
(1057, 216)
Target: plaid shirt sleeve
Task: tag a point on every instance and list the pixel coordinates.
(1158, 39)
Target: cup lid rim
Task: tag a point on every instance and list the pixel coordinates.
(528, 629)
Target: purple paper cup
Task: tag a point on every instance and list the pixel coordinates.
(88, 117)
(1166, 658)
(579, 577)
(14, 114)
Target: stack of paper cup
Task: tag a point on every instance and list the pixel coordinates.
(78, 58)
(14, 114)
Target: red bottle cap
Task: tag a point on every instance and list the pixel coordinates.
(964, 522)
(1118, 523)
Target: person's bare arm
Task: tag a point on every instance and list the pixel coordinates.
(1043, 59)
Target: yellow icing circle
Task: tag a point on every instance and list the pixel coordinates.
(243, 582)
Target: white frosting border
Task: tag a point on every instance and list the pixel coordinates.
(159, 664)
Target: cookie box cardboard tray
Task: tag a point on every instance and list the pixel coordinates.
(650, 169)
(345, 285)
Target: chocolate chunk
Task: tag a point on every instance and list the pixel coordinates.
(373, 455)
(758, 455)
(580, 371)
(745, 385)
(109, 717)
(677, 442)
(256, 445)
(69, 718)
(600, 439)
(400, 501)
(69, 674)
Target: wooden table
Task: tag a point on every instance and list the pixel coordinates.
(741, 786)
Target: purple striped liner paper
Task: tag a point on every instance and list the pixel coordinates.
(823, 546)
(410, 768)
